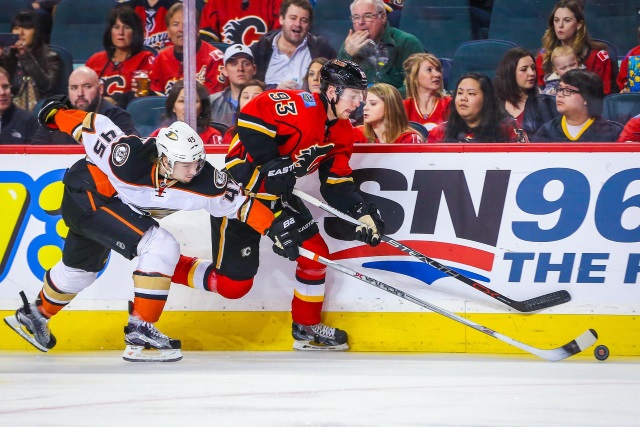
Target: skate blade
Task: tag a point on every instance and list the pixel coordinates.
(13, 323)
(314, 346)
(137, 353)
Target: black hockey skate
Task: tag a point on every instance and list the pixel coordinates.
(145, 343)
(32, 325)
(318, 337)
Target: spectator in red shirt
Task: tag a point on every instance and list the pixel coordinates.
(152, 13)
(174, 110)
(566, 26)
(631, 131)
(123, 54)
(167, 67)
(476, 116)
(385, 120)
(426, 103)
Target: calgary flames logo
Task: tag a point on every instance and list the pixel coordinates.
(245, 30)
(308, 159)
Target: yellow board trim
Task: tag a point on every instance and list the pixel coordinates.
(398, 332)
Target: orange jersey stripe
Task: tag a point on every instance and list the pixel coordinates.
(124, 221)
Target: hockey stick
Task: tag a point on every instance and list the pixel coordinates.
(533, 304)
(584, 341)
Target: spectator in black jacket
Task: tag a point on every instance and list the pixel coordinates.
(84, 93)
(17, 126)
(517, 91)
(283, 56)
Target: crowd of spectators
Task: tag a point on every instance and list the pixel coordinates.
(552, 95)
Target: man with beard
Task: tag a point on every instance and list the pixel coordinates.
(283, 56)
(84, 93)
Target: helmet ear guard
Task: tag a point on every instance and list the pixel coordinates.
(180, 143)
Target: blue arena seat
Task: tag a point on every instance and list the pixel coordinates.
(11, 8)
(615, 21)
(440, 25)
(620, 107)
(331, 20)
(481, 56)
(78, 27)
(521, 22)
(147, 113)
(66, 67)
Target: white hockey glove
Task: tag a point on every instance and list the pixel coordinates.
(373, 226)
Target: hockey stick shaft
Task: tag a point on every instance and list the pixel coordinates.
(584, 341)
(533, 304)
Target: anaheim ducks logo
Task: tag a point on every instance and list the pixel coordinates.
(245, 30)
(113, 84)
(308, 159)
(171, 135)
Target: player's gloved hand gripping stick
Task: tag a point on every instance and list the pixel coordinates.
(533, 304)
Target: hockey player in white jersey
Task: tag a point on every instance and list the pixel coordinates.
(110, 201)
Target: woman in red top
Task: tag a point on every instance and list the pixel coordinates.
(174, 110)
(385, 120)
(427, 102)
(123, 54)
(567, 27)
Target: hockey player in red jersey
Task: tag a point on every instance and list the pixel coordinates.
(284, 135)
(239, 21)
(111, 201)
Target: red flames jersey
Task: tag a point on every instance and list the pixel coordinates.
(155, 28)
(294, 123)
(239, 21)
(439, 114)
(167, 69)
(117, 78)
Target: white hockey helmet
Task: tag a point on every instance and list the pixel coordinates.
(180, 143)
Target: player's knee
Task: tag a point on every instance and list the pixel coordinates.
(233, 289)
(159, 251)
(317, 245)
(68, 279)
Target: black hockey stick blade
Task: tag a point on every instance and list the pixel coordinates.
(533, 304)
(582, 342)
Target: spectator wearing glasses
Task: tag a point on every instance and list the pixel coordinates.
(579, 100)
(377, 47)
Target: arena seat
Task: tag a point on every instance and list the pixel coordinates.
(521, 22)
(615, 21)
(220, 127)
(481, 56)
(620, 107)
(78, 27)
(61, 87)
(420, 129)
(331, 20)
(146, 113)
(11, 8)
(440, 25)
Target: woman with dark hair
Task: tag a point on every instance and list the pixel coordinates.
(516, 89)
(566, 27)
(312, 78)
(476, 116)
(122, 56)
(33, 67)
(174, 110)
(579, 100)
(248, 91)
